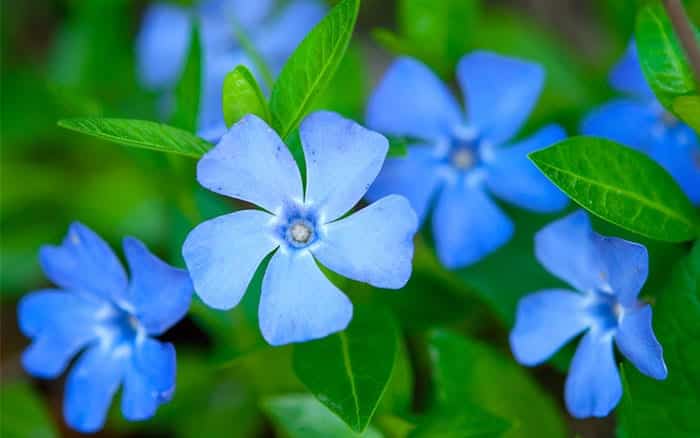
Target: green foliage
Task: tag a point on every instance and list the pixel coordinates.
(188, 89)
(652, 408)
(311, 67)
(242, 95)
(23, 413)
(466, 371)
(620, 185)
(665, 65)
(460, 421)
(140, 134)
(349, 371)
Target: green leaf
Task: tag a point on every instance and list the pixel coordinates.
(462, 421)
(311, 67)
(187, 90)
(652, 408)
(398, 147)
(242, 96)
(23, 413)
(688, 109)
(349, 371)
(302, 416)
(140, 134)
(468, 372)
(620, 185)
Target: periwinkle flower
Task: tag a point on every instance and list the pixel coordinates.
(607, 274)
(112, 320)
(457, 162)
(165, 34)
(373, 245)
(639, 121)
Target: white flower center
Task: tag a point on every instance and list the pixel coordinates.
(463, 158)
(300, 232)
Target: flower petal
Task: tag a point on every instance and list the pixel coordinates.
(467, 226)
(544, 322)
(222, 255)
(566, 249)
(627, 76)
(342, 160)
(415, 176)
(149, 380)
(159, 293)
(622, 120)
(500, 92)
(298, 303)
(412, 101)
(162, 44)
(679, 153)
(374, 245)
(513, 177)
(85, 263)
(90, 387)
(251, 163)
(625, 266)
(635, 339)
(593, 386)
(61, 324)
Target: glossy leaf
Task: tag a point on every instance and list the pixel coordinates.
(460, 421)
(349, 371)
(620, 185)
(141, 134)
(188, 89)
(688, 109)
(468, 372)
(242, 96)
(24, 413)
(652, 408)
(311, 67)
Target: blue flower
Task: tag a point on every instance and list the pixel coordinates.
(608, 274)
(165, 33)
(112, 320)
(373, 245)
(639, 121)
(457, 160)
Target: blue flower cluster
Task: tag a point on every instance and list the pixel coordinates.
(458, 160)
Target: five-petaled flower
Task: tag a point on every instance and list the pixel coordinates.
(373, 245)
(608, 274)
(639, 121)
(456, 159)
(165, 34)
(112, 319)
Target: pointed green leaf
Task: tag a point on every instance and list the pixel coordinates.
(140, 134)
(242, 96)
(620, 185)
(349, 371)
(460, 421)
(311, 67)
(188, 88)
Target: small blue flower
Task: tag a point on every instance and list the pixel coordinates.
(608, 274)
(457, 160)
(639, 121)
(97, 311)
(303, 227)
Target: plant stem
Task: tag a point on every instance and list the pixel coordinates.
(685, 33)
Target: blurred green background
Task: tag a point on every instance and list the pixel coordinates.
(63, 58)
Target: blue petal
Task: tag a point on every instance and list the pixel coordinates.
(513, 177)
(499, 91)
(467, 226)
(149, 380)
(622, 120)
(635, 339)
(412, 101)
(415, 176)
(342, 160)
(544, 322)
(249, 15)
(61, 324)
(90, 387)
(624, 267)
(162, 44)
(679, 153)
(85, 263)
(222, 255)
(298, 303)
(566, 249)
(593, 386)
(627, 76)
(252, 164)
(374, 245)
(159, 293)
